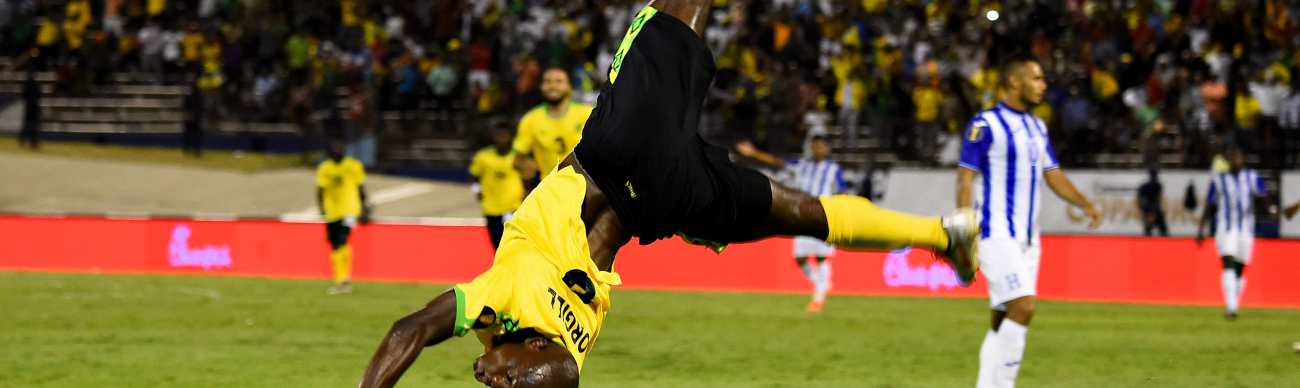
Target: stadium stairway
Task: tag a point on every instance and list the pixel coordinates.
(132, 109)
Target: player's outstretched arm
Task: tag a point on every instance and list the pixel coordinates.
(746, 149)
(1062, 186)
(409, 335)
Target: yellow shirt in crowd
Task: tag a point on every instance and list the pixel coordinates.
(190, 44)
(156, 7)
(927, 100)
(1247, 111)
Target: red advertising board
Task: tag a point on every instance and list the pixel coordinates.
(1112, 269)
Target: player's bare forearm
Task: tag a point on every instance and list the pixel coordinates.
(746, 149)
(964, 178)
(408, 336)
(694, 13)
(1065, 189)
(1062, 186)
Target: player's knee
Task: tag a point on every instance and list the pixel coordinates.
(407, 327)
(1022, 309)
(1228, 262)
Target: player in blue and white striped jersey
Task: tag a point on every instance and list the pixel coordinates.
(1231, 204)
(819, 176)
(1009, 149)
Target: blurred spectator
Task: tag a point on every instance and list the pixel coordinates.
(171, 39)
(927, 99)
(1076, 118)
(442, 81)
(1289, 120)
(151, 43)
(783, 105)
(1269, 91)
(361, 118)
(850, 96)
(30, 135)
(410, 83)
(194, 104)
(1150, 200)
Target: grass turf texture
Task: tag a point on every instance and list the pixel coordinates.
(213, 159)
(64, 330)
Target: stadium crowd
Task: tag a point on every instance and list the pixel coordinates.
(1125, 76)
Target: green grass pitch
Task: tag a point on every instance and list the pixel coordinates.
(62, 330)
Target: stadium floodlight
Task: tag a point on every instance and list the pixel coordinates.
(992, 15)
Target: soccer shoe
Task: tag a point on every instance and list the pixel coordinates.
(1230, 316)
(814, 307)
(345, 288)
(963, 230)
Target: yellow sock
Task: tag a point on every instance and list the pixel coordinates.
(342, 259)
(854, 222)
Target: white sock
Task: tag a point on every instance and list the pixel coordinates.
(988, 351)
(1230, 290)
(1010, 350)
(1241, 288)
(825, 268)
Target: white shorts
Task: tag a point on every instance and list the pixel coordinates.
(1236, 243)
(808, 246)
(1011, 269)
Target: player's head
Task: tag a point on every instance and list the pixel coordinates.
(334, 149)
(820, 148)
(501, 138)
(1022, 80)
(1236, 157)
(533, 361)
(556, 86)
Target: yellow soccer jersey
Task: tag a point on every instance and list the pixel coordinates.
(341, 182)
(502, 187)
(550, 139)
(542, 277)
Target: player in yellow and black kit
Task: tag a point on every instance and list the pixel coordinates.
(499, 188)
(549, 132)
(641, 170)
(341, 196)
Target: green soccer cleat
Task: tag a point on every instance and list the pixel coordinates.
(963, 244)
